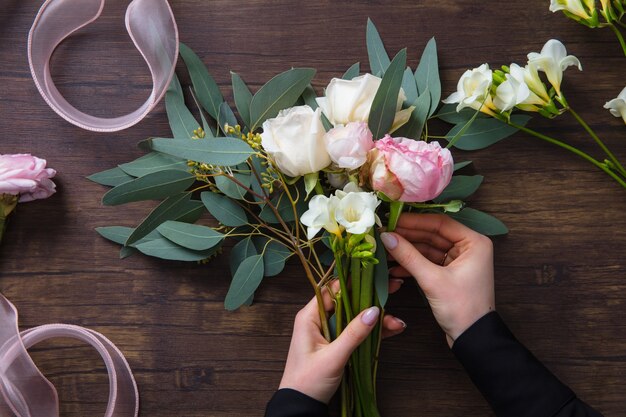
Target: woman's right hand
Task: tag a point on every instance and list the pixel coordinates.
(451, 263)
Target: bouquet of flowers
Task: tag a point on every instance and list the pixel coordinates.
(300, 176)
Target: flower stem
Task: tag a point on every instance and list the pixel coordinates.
(595, 137)
(572, 149)
(395, 210)
(620, 38)
(355, 279)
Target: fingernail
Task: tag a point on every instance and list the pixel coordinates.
(401, 322)
(397, 280)
(389, 240)
(370, 316)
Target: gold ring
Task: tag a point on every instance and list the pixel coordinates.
(443, 261)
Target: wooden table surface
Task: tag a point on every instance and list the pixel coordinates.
(560, 273)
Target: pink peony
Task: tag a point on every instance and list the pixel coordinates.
(348, 145)
(27, 176)
(409, 170)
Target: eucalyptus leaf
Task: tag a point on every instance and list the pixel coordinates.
(461, 165)
(379, 60)
(448, 114)
(275, 255)
(427, 75)
(383, 109)
(256, 179)
(480, 222)
(246, 280)
(205, 87)
(243, 97)
(277, 94)
(180, 118)
(485, 132)
(353, 71)
(460, 187)
(409, 86)
(153, 162)
(170, 209)
(166, 249)
(190, 236)
(127, 251)
(226, 211)
(117, 234)
(231, 188)
(309, 97)
(190, 211)
(226, 116)
(381, 272)
(111, 177)
(414, 127)
(153, 186)
(218, 151)
(243, 249)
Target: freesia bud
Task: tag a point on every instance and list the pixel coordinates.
(617, 106)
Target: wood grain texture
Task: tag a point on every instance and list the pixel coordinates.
(560, 273)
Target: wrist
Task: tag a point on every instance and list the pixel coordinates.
(467, 322)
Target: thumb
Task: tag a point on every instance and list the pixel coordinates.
(354, 334)
(408, 257)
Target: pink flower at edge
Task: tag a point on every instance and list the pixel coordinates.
(348, 145)
(409, 170)
(27, 176)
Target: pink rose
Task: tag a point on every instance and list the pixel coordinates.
(27, 176)
(348, 145)
(409, 170)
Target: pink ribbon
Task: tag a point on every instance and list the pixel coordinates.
(151, 26)
(27, 393)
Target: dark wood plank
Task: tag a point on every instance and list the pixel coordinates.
(561, 272)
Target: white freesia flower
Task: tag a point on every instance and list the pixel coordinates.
(348, 101)
(321, 215)
(617, 106)
(553, 60)
(295, 141)
(473, 89)
(356, 212)
(511, 92)
(574, 7)
(538, 93)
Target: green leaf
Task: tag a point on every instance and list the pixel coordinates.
(409, 86)
(111, 177)
(460, 187)
(480, 222)
(180, 118)
(353, 71)
(255, 182)
(117, 234)
(190, 236)
(427, 75)
(232, 189)
(310, 181)
(205, 87)
(170, 209)
(460, 165)
(226, 116)
(243, 249)
(448, 114)
(384, 104)
(243, 97)
(218, 151)
(274, 255)
(309, 96)
(166, 249)
(280, 92)
(153, 162)
(153, 186)
(246, 280)
(224, 209)
(413, 128)
(127, 251)
(379, 60)
(381, 272)
(485, 132)
(191, 211)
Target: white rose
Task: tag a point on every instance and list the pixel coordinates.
(473, 89)
(553, 60)
(348, 101)
(617, 106)
(348, 145)
(295, 141)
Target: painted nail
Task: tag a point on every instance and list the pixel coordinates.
(370, 316)
(401, 322)
(389, 240)
(399, 281)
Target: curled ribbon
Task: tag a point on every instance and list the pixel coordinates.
(27, 393)
(151, 26)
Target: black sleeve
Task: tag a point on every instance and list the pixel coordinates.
(291, 403)
(510, 378)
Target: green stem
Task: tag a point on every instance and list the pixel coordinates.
(395, 210)
(344, 287)
(595, 137)
(365, 350)
(620, 38)
(345, 393)
(572, 149)
(318, 187)
(2, 226)
(355, 279)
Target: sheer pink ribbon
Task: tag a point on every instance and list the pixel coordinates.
(27, 393)
(151, 26)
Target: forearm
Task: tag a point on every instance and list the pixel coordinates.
(291, 403)
(510, 378)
